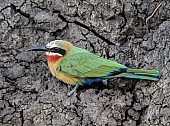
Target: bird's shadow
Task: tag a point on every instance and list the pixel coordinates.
(124, 85)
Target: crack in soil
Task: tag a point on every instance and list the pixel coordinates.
(22, 117)
(84, 26)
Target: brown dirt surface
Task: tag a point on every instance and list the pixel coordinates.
(129, 32)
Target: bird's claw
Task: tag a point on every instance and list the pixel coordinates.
(72, 91)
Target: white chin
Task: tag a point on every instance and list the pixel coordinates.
(52, 54)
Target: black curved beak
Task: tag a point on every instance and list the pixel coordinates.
(45, 49)
(38, 48)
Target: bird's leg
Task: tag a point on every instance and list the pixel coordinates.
(72, 91)
(105, 82)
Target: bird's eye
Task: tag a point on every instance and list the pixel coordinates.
(57, 50)
(54, 49)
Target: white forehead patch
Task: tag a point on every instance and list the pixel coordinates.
(55, 43)
(51, 45)
(53, 54)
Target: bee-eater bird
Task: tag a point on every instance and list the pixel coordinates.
(76, 66)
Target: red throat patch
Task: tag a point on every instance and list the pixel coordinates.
(53, 58)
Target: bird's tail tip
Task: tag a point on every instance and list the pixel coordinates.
(139, 74)
(152, 72)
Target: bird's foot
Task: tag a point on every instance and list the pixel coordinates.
(72, 91)
(105, 82)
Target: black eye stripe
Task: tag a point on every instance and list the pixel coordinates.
(54, 49)
(57, 50)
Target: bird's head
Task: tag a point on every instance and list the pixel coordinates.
(54, 49)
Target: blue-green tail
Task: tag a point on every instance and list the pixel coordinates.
(140, 74)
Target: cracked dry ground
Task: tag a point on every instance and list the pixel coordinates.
(113, 29)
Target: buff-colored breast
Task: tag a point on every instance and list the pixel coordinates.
(66, 79)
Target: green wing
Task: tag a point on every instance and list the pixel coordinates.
(81, 63)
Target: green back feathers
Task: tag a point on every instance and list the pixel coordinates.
(81, 63)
